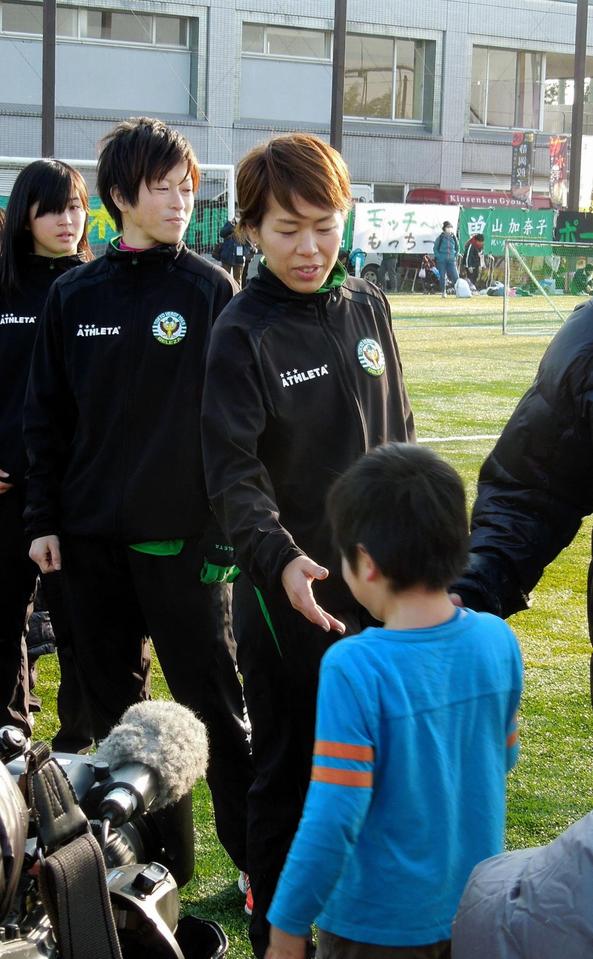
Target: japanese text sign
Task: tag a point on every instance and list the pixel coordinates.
(500, 225)
(400, 227)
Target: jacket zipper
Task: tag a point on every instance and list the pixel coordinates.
(337, 348)
(119, 525)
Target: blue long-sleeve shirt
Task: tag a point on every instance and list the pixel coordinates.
(415, 734)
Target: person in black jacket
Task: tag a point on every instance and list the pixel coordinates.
(232, 252)
(303, 377)
(473, 257)
(116, 493)
(535, 487)
(44, 238)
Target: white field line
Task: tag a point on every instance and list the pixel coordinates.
(457, 439)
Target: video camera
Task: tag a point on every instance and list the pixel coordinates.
(93, 848)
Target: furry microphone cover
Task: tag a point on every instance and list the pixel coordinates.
(165, 736)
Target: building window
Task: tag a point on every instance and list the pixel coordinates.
(171, 31)
(506, 88)
(22, 18)
(389, 193)
(66, 22)
(109, 25)
(284, 42)
(368, 79)
(385, 77)
(252, 38)
(559, 94)
(293, 42)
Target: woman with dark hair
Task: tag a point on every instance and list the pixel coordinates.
(445, 251)
(44, 235)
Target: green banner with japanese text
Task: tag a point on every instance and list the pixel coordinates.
(507, 224)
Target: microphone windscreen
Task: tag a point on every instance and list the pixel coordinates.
(165, 736)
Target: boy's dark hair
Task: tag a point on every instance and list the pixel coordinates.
(406, 506)
(136, 150)
(294, 164)
(50, 183)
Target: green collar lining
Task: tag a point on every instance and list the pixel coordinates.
(337, 277)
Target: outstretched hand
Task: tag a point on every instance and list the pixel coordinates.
(297, 580)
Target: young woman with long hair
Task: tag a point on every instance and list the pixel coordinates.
(44, 235)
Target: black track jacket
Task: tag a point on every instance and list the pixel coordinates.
(537, 484)
(19, 318)
(288, 406)
(113, 402)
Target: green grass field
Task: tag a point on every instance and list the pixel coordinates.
(464, 379)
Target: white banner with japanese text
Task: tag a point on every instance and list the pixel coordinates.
(400, 227)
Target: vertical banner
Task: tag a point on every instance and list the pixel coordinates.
(558, 148)
(522, 166)
(586, 184)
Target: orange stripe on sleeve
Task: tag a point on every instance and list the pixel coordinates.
(344, 751)
(341, 777)
(512, 738)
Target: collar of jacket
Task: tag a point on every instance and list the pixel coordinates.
(39, 272)
(164, 252)
(46, 264)
(266, 285)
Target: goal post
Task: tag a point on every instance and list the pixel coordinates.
(215, 202)
(543, 283)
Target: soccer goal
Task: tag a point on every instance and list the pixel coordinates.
(215, 202)
(543, 283)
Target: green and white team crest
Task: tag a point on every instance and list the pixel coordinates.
(169, 328)
(370, 356)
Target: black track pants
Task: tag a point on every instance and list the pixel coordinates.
(18, 575)
(116, 596)
(17, 581)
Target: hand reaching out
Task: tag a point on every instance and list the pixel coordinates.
(297, 579)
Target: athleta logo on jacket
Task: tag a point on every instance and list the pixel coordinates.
(9, 319)
(91, 329)
(371, 357)
(291, 377)
(169, 328)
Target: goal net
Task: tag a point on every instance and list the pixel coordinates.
(215, 202)
(543, 283)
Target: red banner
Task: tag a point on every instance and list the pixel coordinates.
(558, 147)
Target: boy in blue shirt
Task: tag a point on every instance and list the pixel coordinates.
(416, 728)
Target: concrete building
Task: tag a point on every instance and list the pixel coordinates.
(433, 90)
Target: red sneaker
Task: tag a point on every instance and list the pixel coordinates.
(249, 898)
